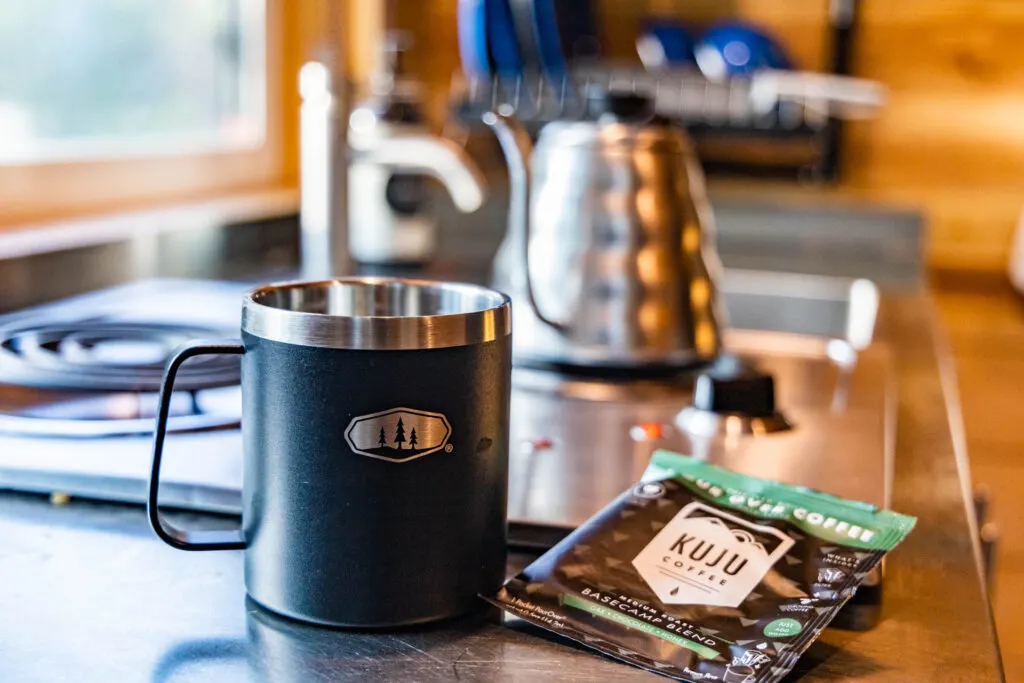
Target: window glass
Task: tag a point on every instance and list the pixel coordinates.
(110, 78)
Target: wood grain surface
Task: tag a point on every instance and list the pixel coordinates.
(985, 323)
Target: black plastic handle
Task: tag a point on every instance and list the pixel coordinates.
(178, 538)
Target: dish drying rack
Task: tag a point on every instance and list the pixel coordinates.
(770, 105)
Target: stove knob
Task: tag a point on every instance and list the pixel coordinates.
(648, 431)
(750, 393)
(531, 446)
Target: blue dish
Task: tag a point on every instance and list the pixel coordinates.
(737, 49)
(472, 17)
(549, 40)
(668, 40)
(501, 36)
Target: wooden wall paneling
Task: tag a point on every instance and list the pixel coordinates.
(951, 138)
(365, 27)
(619, 43)
(801, 27)
(293, 54)
(985, 321)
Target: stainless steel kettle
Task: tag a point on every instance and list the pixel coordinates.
(609, 249)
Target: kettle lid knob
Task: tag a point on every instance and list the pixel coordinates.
(619, 106)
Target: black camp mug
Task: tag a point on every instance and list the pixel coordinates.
(375, 440)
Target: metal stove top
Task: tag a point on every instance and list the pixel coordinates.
(91, 367)
(576, 442)
(106, 354)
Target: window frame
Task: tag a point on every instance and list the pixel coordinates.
(44, 191)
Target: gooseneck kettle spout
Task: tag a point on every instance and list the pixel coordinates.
(518, 150)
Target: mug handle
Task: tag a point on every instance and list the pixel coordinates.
(179, 538)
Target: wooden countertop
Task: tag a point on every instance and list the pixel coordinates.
(937, 624)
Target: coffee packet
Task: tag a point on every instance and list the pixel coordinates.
(704, 574)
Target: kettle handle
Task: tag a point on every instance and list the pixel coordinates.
(517, 147)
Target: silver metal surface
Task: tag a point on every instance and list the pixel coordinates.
(377, 314)
(102, 415)
(577, 443)
(108, 388)
(517, 147)
(829, 307)
(611, 243)
(768, 99)
(815, 234)
(104, 354)
(204, 469)
(377, 143)
(155, 615)
(707, 424)
(59, 558)
(323, 171)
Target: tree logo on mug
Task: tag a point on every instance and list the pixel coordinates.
(399, 434)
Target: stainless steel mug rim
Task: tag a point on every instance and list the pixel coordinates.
(377, 313)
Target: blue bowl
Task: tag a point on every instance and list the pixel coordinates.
(670, 41)
(737, 49)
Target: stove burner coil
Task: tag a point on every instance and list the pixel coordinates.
(108, 355)
(96, 415)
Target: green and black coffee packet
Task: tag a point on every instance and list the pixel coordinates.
(703, 574)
